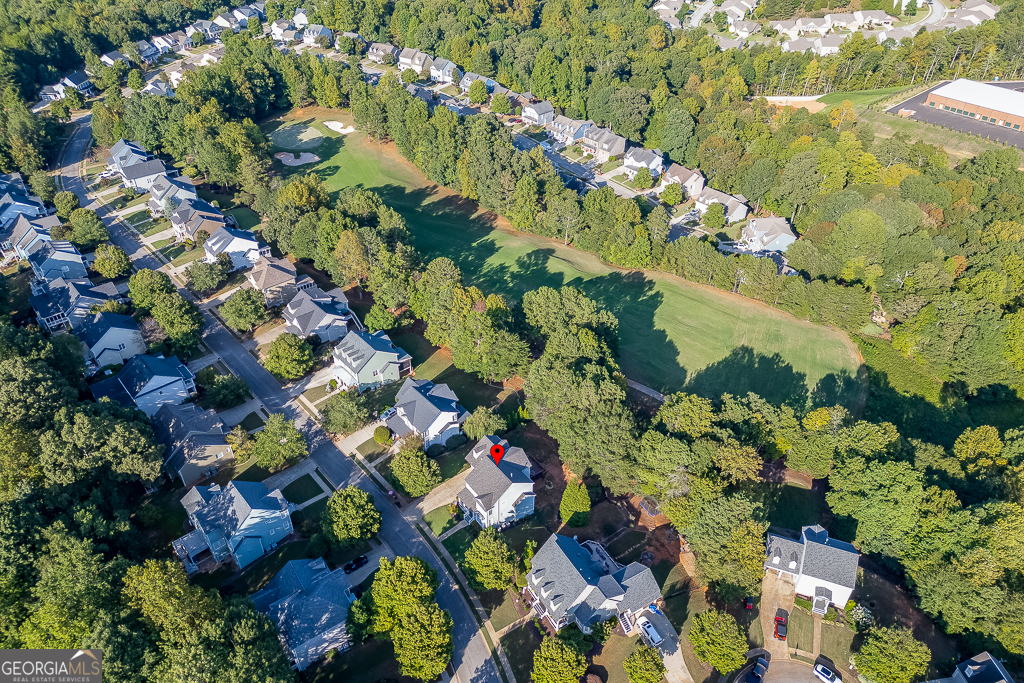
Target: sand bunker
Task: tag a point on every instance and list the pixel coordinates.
(339, 127)
(289, 159)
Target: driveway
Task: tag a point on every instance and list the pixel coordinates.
(359, 575)
(778, 597)
(444, 494)
(789, 671)
(941, 117)
(671, 652)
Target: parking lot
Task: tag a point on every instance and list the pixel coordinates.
(940, 117)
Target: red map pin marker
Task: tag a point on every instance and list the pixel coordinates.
(497, 451)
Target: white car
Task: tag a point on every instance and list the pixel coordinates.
(647, 628)
(824, 673)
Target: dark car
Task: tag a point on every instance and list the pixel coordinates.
(356, 564)
(748, 602)
(780, 628)
(757, 673)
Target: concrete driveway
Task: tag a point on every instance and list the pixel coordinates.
(671, 653)
(778, 597)
(789, 671)
(359, 575)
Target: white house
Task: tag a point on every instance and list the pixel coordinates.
(828, 45)
(378, 51)
(209, 30)
(301, 18)
(313, 32)
(874, 17)
(539, 113)
(15, 200)
(691, 180)
(148, 382)
(667, 11)
(241, 245)
(568, 131)
(309, 603)
(111, 339)
(798, 45)
(444, 71)
(143, 174)
(112, 58)
(845, 21)
(244, 14)
(427, 409)
(823, 569)
(158, 88)
(173, 42)
(279, 27)
(417, 60)
(497, 494)
(176, 189)
(241, 521)
(983, 668)
(767, 234)
(788, 28)
(325, 314)
(745, 29)
(27, 232)
(176, 74)
(638, 157)
(735, 207)
(227, 22)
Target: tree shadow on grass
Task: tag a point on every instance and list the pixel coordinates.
(744, 371)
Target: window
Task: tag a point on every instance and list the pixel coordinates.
(984, 118)
(1016, 126)
(931, 104)
(945, 107)
(219, 456)
(120, 347)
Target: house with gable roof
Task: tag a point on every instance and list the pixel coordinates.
(639, 157)
(27, 232)
(568, 131)
(429, 410)
(736, 208)
(244, 14)
(309, 604)
(147, 51)
(277, 280)
(691, 180)
(111, 339)
(126, 153)
(53, 259)
(539, 113)
(242, 521)
(444, 71)
(378, 51)
(16, 200)
(767, 234)
(603, 144)
(573, 583)
(193, 215)
(823, 569)
(175, 188)
(313, 32)
(240, 245)
(983, 668)
(142, 175)
(325, 314)
(66, 303)
(301, 17)
(417, 60)
(158, 88)
(497, 494)
(148, 382)
(196, 447)
(364, 360)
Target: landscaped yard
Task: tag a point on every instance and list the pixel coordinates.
(680, 610)
(371, 450)
(316, 393)
(302, 489)
(500, 608)
(531, 528)
(519, 646)
(671, 577)
(458, 543)
(800, 631)
(153, 227)
(246, 218)
(439, 520)
(369, 662)
(608, 663)
(861, 98)
(837, 644)
(453, 462)
(252, 421)
(673, 334)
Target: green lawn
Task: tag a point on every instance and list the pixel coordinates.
(316, 393)
(138, 216)
(623, 549)
(439, 520)
(519, 646)
(179, 256)
(312, 512)
(252, 421)
(302, 489)
(531, 528)
(837, 644)
(611, 656)
(861, 98)
(458, 543)
(252, 472)
(671, 577)
(453, 462)
(501, 609)
(154, 227)
(793, 507)
(680, 610)
(800, 631)
(247, 218)
(371, 450)
(672, 333)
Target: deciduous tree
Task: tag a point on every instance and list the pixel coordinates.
(350, 516)
(279, 443)
(490, 561)
(717, 640)
(575, 506)
(289, 357)
(245, 309)
(557, 662)
(892, 655)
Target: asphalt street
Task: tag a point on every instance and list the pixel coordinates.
(471, 657)
(941, 117)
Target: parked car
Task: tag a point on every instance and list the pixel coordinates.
(748, 602)
(648, 630)
(356, 564)
(757, 673)
(824, 673)
(780, 628)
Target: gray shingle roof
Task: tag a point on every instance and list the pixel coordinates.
(194, 446)
(175, 423)
(359, 348)
(486, 477)
(984, 668)
(422, 401)
(143, 169)
(227, 509)
(224, 237)
(62, 295)
(643, 156)
(93, 330)
(57, 251)
(270, 272)
(542, 108)
(305, 600)
(139, 370)
(312, 306)
(814, 555)
(38, 227)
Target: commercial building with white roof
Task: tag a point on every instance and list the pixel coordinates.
(986, 103)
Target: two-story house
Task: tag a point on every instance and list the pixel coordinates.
(112, 58)
(444, 71)
(148, 52)
(111, 339)
(823, 569)
(364, 360)
(209, 30)
(570, 583)
(767, 234)
(241, 245)
(125, 153)
(173, 42)
(142, 175)
(314, 32)
(638, 157)
(735, 208)
(16, 200)
(983, 668)
(169, 191)
(325, 314)
(301, 17)
(497, 494)
(279, 27)
(429, 410)
(691, 180)
(378, 52)
(193, 215)
(568, 131)
(79, 81)
(539, 113)
(196, 447)
(56, 259)
(148, 382)
(603, 144)
(277, 280)
(68, 303)
(417, 60)
(309, 604)
(27, 232)
(242, 521)
(245, 14)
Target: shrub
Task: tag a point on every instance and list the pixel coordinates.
(382, 435)
(413, 471)
(575, 506)
(346, 412)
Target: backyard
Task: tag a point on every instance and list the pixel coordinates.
(673, 334)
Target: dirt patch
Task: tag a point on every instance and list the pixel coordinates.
(810, 104)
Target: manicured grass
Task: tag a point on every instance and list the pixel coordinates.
(837, 644)
(500, 609)
(301, 490)
(259, 574)
(312, 512)
(531, 528)
(252, 421)
(252, 472)
(439, 520)
(371, 450)
(154, 227)
(519, 646)
(673, 334)
(458, 543)
(681, 610)
(316, 393)
(800, 632)
(19, 291)
(417, 346)
(861, 98)
(623, 549)
(612, 654)
(247, 218)
(472, 392)
(160, 244)
(671, 577)
(179, 256)
(793, 507)
(453, 462)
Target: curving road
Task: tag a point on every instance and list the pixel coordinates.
(471, 657)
